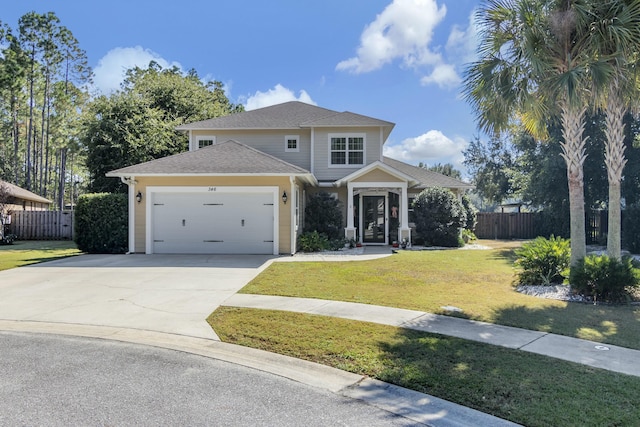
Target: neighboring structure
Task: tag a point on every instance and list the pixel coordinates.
(23, 200)
(241, 186)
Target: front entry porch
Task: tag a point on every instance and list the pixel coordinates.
(377, 216)
(377, 205)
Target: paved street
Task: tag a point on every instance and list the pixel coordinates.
(60, 381)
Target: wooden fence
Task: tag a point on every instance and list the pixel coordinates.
(42, 225)
(496, 225)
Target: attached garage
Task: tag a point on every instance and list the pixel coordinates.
(212, 220)
(226, 198)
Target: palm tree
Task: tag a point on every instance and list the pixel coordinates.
(535, 65)
(616, 38)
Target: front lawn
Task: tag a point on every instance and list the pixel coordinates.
(25, 252)
(480, 282)
(526, 388)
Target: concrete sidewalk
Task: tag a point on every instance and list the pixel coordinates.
(597, 355)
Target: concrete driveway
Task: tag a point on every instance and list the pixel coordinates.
(164, 293)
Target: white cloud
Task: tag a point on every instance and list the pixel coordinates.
(277, 95)
(444, 75)
(403, 30)
(429, 148)
(462, 43)
(110, 71)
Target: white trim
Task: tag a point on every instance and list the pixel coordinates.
(288, 138)
(347, 135)
(152, 190)
(196, 143)
(132, 217)
(190, 133)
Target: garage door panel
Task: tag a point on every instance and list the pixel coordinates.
(213, 223)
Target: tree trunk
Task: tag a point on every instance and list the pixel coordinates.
(615, 161)
(30, 128)
(573, 152)
(63, 173)
(16, 137)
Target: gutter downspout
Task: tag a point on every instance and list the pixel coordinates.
(131, 182)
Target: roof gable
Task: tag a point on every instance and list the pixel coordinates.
(376, 166)
(225, 158)
(427, 178)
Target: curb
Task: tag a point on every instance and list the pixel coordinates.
(409, 404)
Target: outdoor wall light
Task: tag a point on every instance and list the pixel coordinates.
(139, 197)
(284, 197)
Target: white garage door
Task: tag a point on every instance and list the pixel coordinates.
(212, 223)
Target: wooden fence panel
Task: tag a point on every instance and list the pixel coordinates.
(497, 225)
(42, 225)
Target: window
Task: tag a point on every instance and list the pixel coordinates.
(205, 141)
(292, 143)
(346, 150)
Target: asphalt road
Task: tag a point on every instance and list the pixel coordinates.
(52, 380)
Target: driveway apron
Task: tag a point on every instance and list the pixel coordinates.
(164, 293)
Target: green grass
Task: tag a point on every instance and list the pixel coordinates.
(31, 252)
(525, 388)
(480, 282)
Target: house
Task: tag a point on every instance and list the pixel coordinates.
(242, 185)
(19, 199)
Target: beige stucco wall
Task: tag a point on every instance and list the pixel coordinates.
(284, 211)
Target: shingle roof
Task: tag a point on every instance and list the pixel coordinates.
(21, 193)
(289, 115)
(225, 158)
(425, 177)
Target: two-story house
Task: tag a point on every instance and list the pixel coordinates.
(242, 186)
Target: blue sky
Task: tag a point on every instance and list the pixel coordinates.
(396, 60)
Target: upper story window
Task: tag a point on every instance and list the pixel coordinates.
(205, 141)
(292, 143)
(346, 149)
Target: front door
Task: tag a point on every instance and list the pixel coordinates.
(373, 219)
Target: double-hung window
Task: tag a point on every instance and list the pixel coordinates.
(346, 149)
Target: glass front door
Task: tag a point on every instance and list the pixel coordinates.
(373, 219)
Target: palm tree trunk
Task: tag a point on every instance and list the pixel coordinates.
(573, 152)
(615, 161)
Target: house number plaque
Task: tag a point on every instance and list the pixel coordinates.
(212, 189)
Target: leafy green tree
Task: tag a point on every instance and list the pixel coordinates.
(137, 123)
(493, 169)
(446, 169)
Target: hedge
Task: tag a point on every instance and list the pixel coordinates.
(101, 223)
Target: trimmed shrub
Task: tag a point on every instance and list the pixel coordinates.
(439, 217)
(543, 261)
(313, 242)
(604, 278)
(471, 213)
(323, 214)
(101, 223)
(631, 228)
